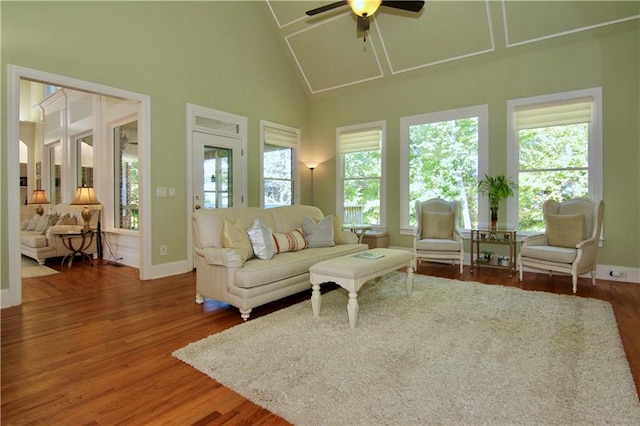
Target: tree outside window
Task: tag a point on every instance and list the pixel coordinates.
(278, 176)
(553, 165)
(280, 148)
(360, 192)
(443, 162)
(555, 151)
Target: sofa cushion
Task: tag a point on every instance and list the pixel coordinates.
(208, 223)
(338, 234)
(289, 218)
(318, 234)
(261, 238)
(289, 241)
(33, 239)
(550, 253)
(437, 225)
(255, 273)
(565, 230)
(438, 244)
(234, 235)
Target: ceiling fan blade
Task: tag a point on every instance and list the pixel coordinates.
(411, 6)
(363, 24)
(326, 7)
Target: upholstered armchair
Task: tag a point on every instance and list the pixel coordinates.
(570, 242)
(436, 237)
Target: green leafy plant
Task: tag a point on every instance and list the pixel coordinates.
(497, 188)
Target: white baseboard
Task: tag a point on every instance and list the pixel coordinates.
(603, 272)
(168, 269)
(5, 298)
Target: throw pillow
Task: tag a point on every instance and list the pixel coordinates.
(53, 219)
(234, 235)
(318, 234)
(31, 226)
(565, 230)
(42, 223)
(437, 225)
(338, 236)
(262, 240)
(289, 241)
(67, 219)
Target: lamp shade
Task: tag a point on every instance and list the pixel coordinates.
(38, 196)
(85, 196)
(311, 164)
(364, 7)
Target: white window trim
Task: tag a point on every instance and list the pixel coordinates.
(382, 124)
(480, 111)
(595, 142)
(295, 171)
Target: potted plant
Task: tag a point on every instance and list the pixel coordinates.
(497, 188)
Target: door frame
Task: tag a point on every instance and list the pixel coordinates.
(12, 161)
(194, 111)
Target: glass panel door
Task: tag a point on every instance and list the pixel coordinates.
(216, 170)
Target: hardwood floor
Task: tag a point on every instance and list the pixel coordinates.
(92, 345)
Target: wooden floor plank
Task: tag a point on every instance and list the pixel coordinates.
(93, 344)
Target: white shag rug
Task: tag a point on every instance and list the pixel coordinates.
(30, 268)
(451, 353)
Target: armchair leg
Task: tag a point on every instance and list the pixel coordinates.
(593, 277)
(574, 278)
(520, 272)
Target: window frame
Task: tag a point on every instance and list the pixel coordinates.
(595, 149)
(382, 126)
(295, 156)
(482, 114)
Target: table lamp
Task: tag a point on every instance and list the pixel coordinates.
(85, 196)
(39, 197)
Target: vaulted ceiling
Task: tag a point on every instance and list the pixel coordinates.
(330, 54)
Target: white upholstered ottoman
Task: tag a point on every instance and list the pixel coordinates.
(352, 271)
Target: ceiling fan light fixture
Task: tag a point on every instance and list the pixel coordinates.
(364, 7)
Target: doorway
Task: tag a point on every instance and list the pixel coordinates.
(216, 157)
(16, 74)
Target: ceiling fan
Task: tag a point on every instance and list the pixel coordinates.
(365, 8)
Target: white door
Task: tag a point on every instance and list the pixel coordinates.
(217, 171)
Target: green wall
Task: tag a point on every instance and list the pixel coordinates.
(220, 55)
(608, 57)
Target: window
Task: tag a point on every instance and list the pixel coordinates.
(361, 195)
(555, 151)
(55, 173)
(126, 200)
(280, 146)
(442, 155)
(84, 151)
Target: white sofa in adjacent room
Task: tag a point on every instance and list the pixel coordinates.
(39, 236)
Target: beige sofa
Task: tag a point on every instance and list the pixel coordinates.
(222, 275)
(43, 241)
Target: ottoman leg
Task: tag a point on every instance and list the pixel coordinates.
(352, 308)
(315, 299)
(410, 279)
